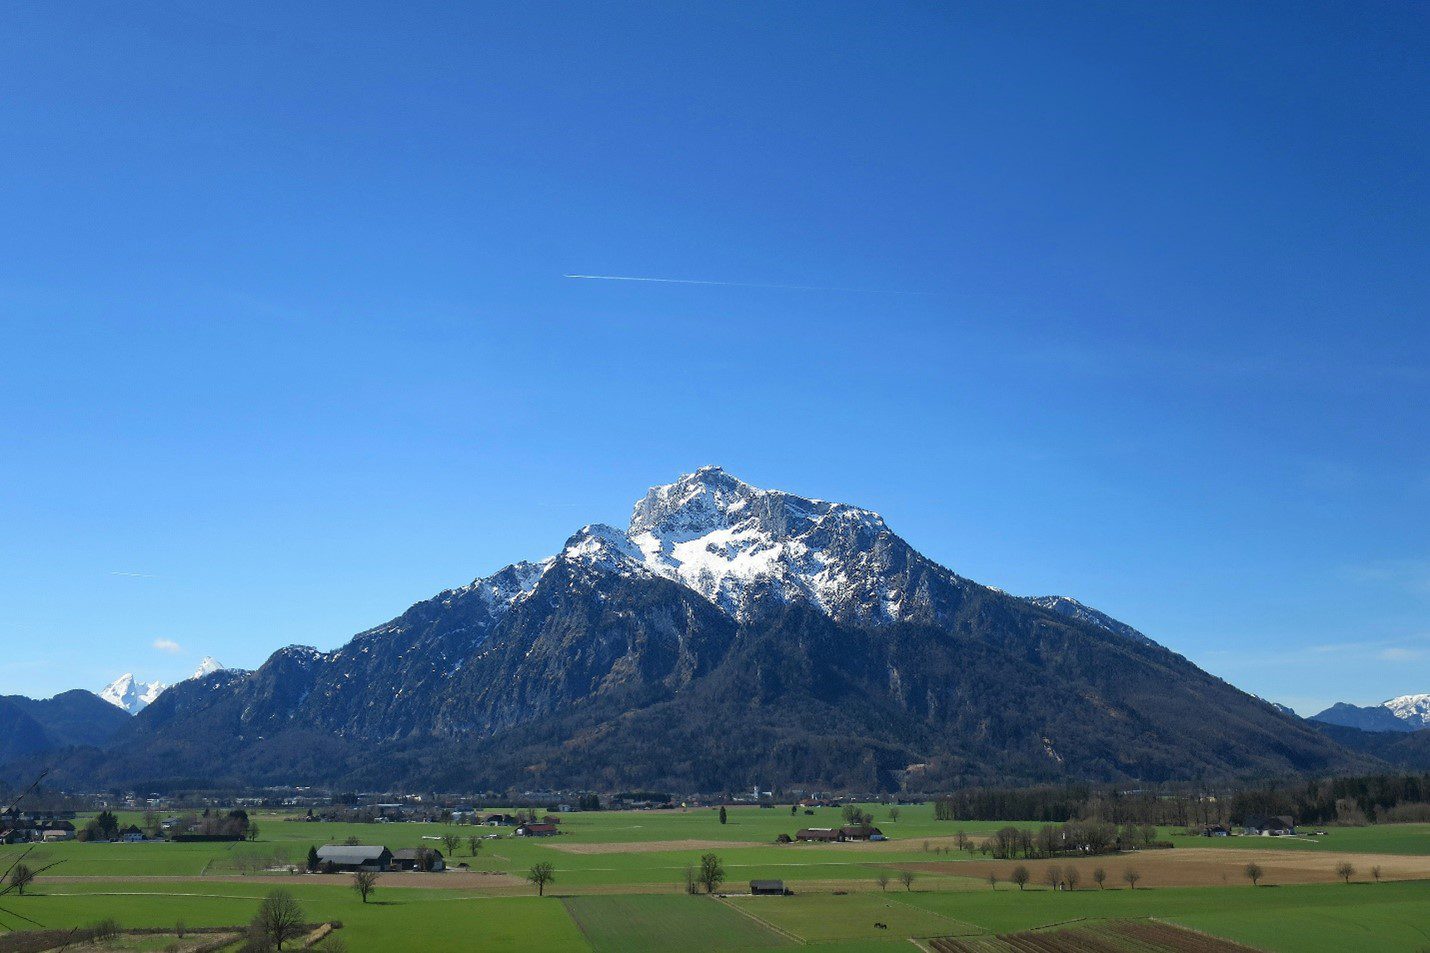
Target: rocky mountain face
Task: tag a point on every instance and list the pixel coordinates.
(1405, 713)
(1073, 609)
(29, 726)
(728, 635)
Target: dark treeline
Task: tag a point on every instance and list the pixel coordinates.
(1350, 800)
(1359, 800)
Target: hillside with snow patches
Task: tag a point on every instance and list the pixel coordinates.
(737, 544)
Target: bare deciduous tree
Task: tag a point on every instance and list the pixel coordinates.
(1131, 876)
(1099, 875)
(21, 877)
(1345, 870)
(280, 918)
(1020, 876)
(364, 882)
(883, 881)
(1253, 872)
(540, 875)
(1072, 878)
(906, 877)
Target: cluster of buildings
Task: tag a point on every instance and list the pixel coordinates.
(838, 835)
(1254, 825)
(25, 827)
(341, 858)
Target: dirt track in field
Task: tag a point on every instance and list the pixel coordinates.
(451, 879)
(648, 847)
(1197, 867)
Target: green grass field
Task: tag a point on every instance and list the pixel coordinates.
(637, 924)
(602, 901)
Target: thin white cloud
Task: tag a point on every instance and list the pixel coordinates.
(168, 645)
(1408, 575)
(743, 284)
(1380, 647)
(1400, 654)
(132, 575)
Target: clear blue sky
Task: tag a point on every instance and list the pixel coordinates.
(287, 345)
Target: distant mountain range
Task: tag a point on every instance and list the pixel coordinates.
(1405, 713)
(134, 696)
(730, 635)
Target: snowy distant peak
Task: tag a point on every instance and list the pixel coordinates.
(1066, 606)
(132, 695)
(1414, 710)
(1405, 713)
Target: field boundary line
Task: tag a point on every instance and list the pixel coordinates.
(572, 916)
(1210, 936)
(763, 922)
(1062, 923)
(146, 893)
(980, 931)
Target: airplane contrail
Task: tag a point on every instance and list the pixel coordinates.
(743, 284)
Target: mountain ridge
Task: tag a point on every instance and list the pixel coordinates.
(728, 634)
(1404, 713)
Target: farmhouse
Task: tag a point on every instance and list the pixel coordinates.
(498, 820)
(1264, 825)
(419, 858)
(55, 834)
(768, 888)
(349, 859)
(536, 830)
(131, 835)
(1215, 830)
(862, 832)
(819, 835)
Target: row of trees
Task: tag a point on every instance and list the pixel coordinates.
(1074, 837)
(1061, 878)
(1361, 799)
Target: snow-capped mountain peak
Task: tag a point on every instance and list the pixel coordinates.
(1412, 709)
(601, 546)
(130, 694)
(735, 543)
(134, 696)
